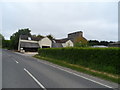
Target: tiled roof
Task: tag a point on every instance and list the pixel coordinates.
(75, 32)
(25, 37)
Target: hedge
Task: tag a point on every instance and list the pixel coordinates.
(101, 59)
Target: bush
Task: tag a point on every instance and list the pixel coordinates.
(102, 59)
(81, 45)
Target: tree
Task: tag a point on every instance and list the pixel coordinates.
(78, 44)
(1, 40)
(51, 37)
(14, 39)
(40, 36)
(106, 43)
(93, 42)
(6, 44)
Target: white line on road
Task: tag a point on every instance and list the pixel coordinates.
(35, 79)
(16, 61)
(78, 75)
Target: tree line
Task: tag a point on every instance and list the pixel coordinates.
(14, 40)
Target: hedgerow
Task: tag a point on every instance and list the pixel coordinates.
(101, 59)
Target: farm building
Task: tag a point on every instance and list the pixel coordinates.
(33, 43)
(116, 44)
(62, 43)
(77, 37)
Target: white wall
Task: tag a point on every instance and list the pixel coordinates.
(45, 42)
(69, 43)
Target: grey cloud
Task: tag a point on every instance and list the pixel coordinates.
(94, 19)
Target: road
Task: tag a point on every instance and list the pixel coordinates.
(21, 71)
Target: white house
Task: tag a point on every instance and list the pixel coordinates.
(68, 43)
(62, 43)
(33, 43)
(45, 43)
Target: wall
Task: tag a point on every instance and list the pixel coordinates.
(74, 35)
(45, 42)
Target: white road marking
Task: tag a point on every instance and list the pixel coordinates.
(35, 79)
(79, 75)
(16, 61)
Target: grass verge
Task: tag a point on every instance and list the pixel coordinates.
(103, 75)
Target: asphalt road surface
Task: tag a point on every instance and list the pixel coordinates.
(21, 71)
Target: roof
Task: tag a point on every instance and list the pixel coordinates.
(25, 37)
(116, 43)
(75, 32)
(29, 45)
(61, 40)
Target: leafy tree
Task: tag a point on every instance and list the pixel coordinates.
(14, 39)
(78, 44)
(1, 40)
(40, 36)
(93, 42)
(106, 43)
(51, 37)
(6, 44)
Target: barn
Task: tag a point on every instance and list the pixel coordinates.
(32, 44)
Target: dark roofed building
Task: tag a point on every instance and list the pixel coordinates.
(66, 42)
(33, 43)
(28, 46)
(26, 43)
(116, 44)
(34, 38)
(77, 37)
(75, 34)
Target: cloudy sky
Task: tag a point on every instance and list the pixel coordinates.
(97, 20)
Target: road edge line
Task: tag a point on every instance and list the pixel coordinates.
(78, 75)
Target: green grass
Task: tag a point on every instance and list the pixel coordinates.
(80, 69)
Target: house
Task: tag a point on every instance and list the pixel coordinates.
(32, 43)
(116, 44)
(62, 43)
(75, 37)
(27, 43)
(45, 43)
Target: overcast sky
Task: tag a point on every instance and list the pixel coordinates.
(97, 20)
